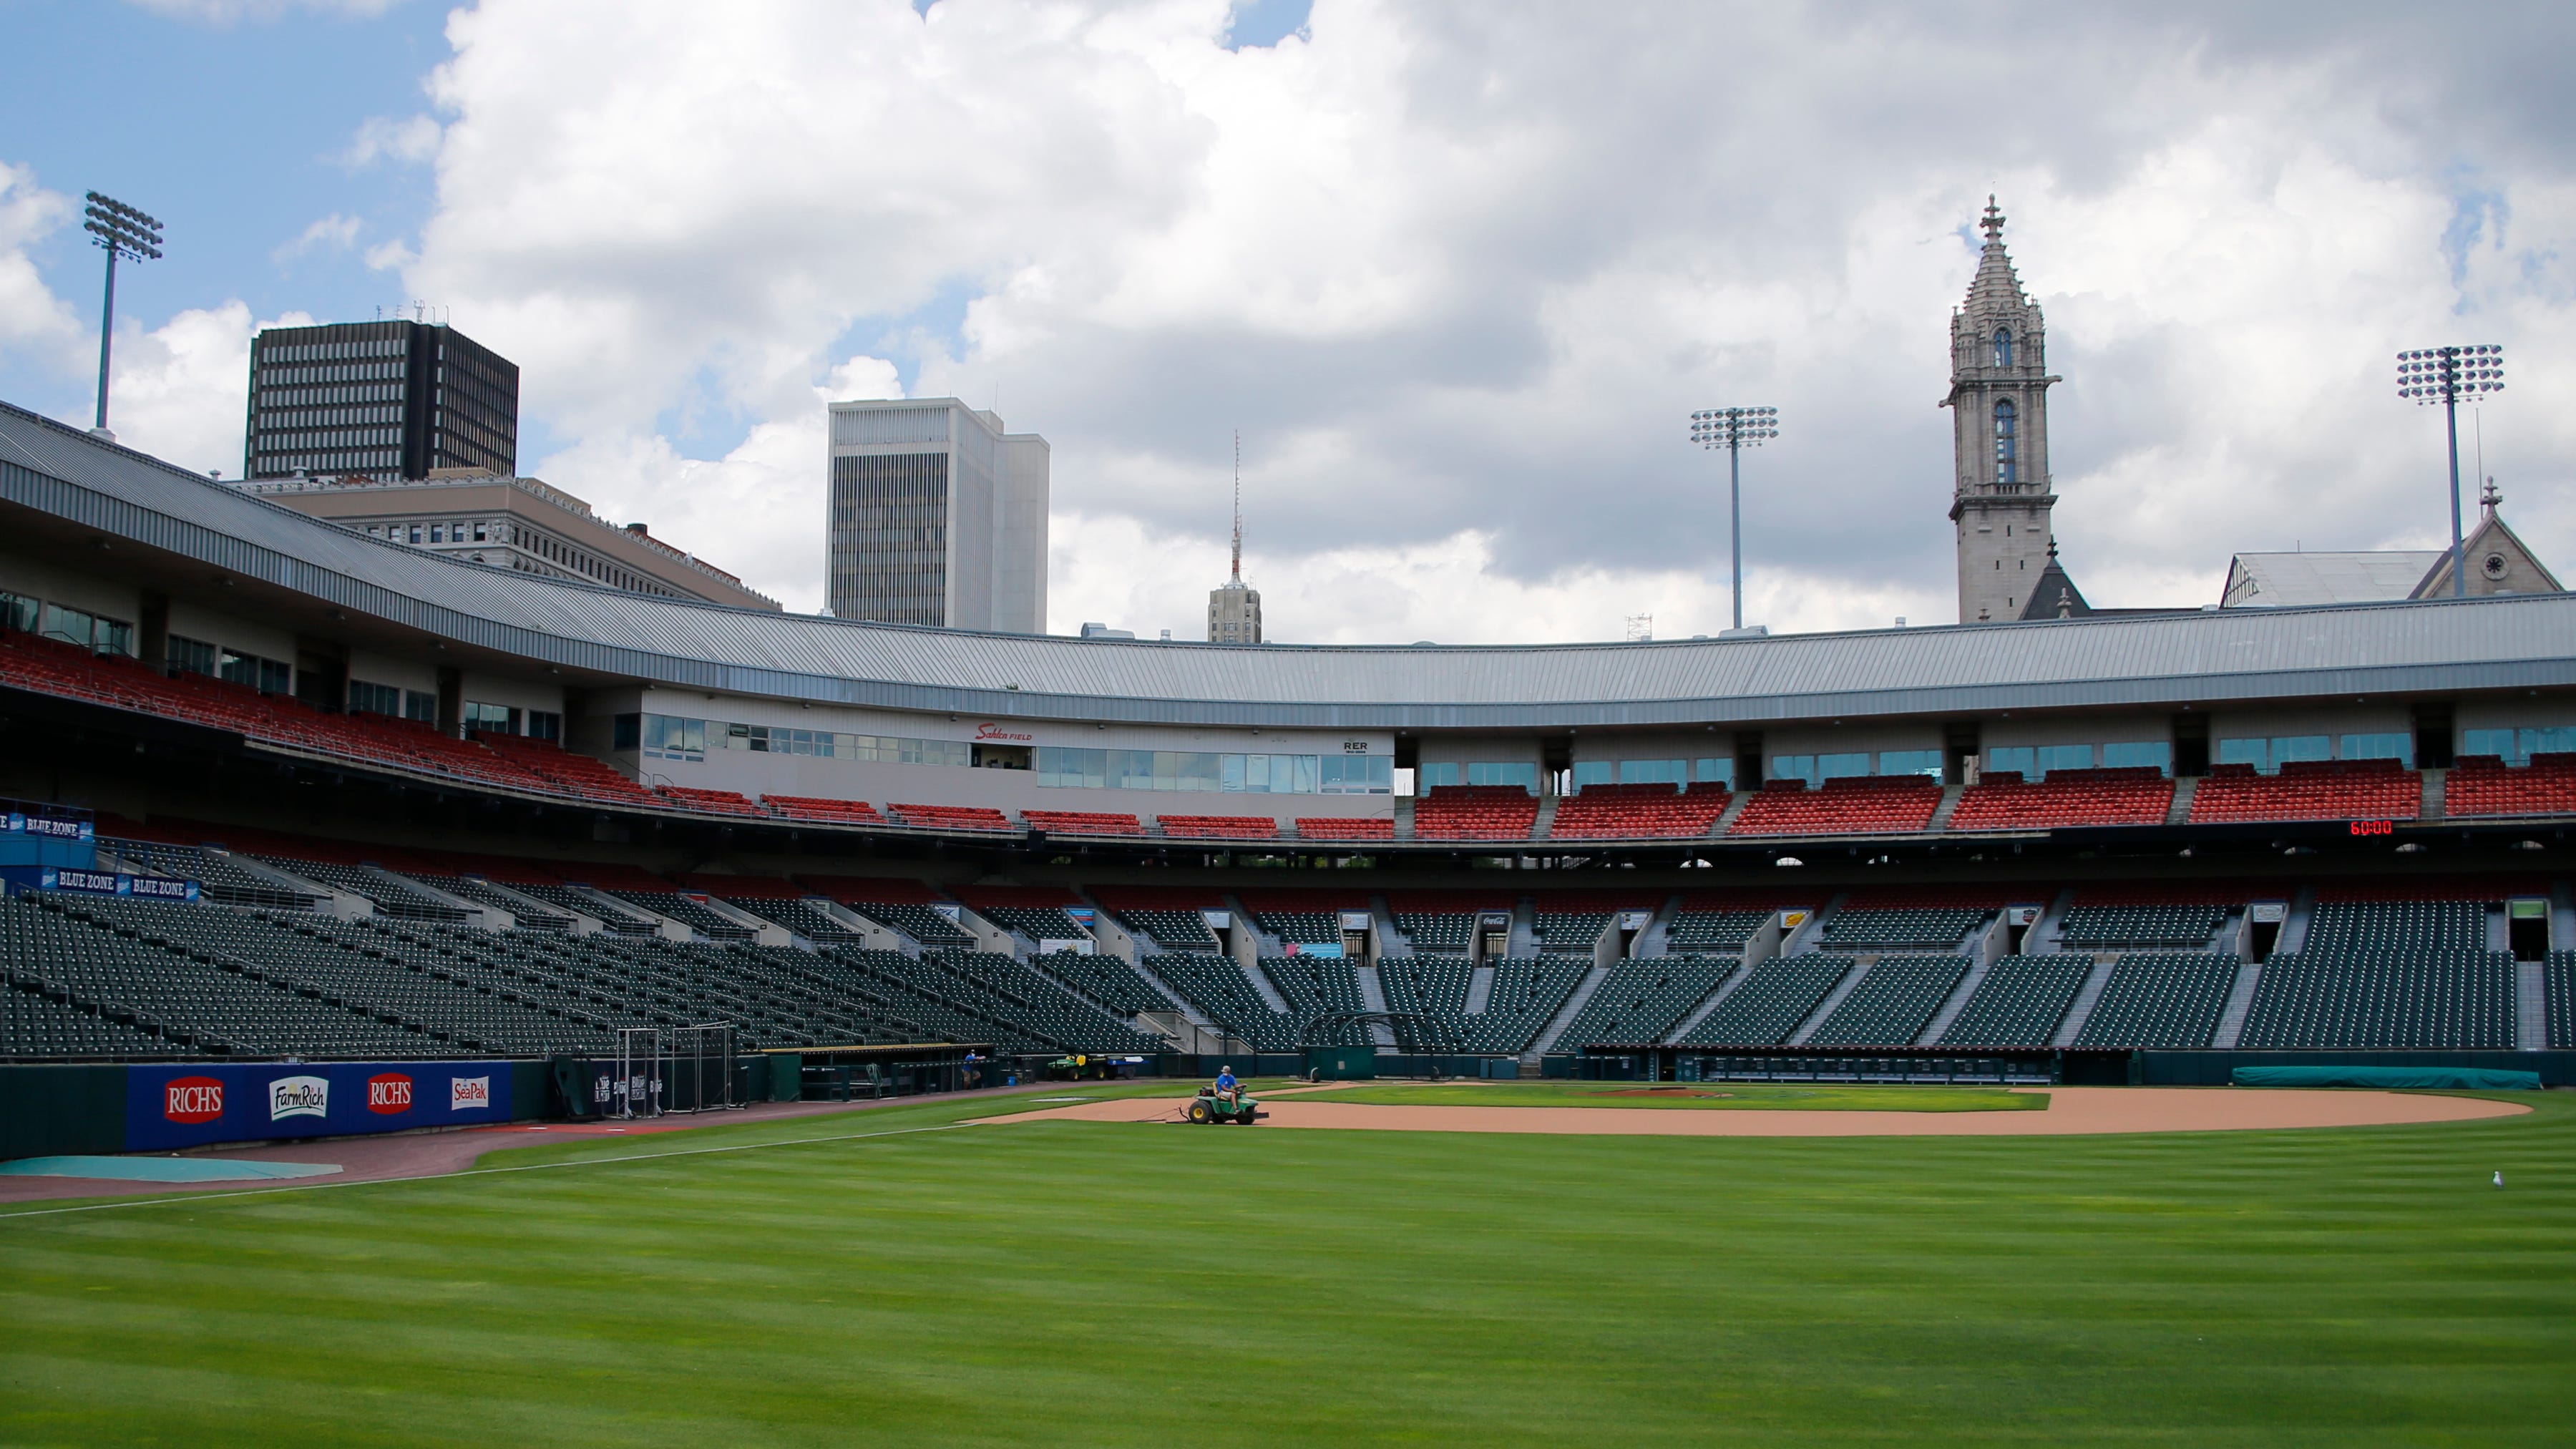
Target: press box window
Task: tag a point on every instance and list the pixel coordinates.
(268, 676)
(499, 719)
(420, 705)
(365, 698)
(19, 612)
(190, 656)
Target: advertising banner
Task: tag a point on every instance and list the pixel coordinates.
(188, 1104)
(112, 883)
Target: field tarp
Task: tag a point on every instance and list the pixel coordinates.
(2472, 1078)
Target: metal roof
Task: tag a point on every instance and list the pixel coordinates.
(2513, 641)
(2277, 580)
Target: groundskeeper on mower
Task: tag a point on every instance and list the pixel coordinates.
(1211, 1105)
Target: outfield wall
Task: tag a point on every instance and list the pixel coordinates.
(2216, 1069)
(157, 1107)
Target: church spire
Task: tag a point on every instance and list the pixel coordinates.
(2000, 486)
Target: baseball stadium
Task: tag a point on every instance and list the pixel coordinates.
(446, 1003)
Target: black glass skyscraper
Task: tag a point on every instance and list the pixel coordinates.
(386, 399)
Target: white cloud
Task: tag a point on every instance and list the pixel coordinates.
(406, 139)
(177, 389)
(335, 231)
(32, 318)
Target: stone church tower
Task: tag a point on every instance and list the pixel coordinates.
(1999, 409)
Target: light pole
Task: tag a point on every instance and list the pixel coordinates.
(122, 231)
(1735, 429)
(2451, 376)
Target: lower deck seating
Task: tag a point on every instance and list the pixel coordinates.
(709, 802)
(1771, 1002)
(2558, 983)
(1107, 980)
(1892, 1003)
(1316, 986)
(1217, 987)
(2154, 1000)
(2462, 1000)
(1934, 926)
(2021, 1003)
(1526, 994)
(1640, 1000)
(2168, 925)
(1434, 991)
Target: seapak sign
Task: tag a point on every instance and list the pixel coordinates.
(187, 1106)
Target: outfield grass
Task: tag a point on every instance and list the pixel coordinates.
(1698, 1096)
(1060, 1283)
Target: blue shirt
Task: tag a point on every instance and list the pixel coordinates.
(1224, 1080)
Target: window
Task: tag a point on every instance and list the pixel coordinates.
(2400, 747)
(666, 738)
(2138, 754)
(415, 533)
(2003, 347)
(1910, 762)
(19, 612)
(1816, 769)
(2053, 758)
(438, 533)
(2007, 446)
(420, 705)
(545, 724)
(268, 676)
(1714, 772)
(1523, 773)
(365, 698)
(2267, 756)
(112, 636)
(1431, 775)
(499, 719)
(1594, 772)
(2517, 746)
(190, 656)
(72, 626)
(1654, 772)
(1358, 775)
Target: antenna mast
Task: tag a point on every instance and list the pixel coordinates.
(1238, 505)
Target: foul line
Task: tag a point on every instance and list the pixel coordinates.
(483, 1171)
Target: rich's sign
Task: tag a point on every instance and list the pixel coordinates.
(389, 1093)
(194, 1099)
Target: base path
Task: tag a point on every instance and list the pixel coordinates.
(2072, 1111)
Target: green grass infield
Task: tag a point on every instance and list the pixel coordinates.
(891, 1276)
(1693, 1096)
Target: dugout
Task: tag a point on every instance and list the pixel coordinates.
(844, 1073)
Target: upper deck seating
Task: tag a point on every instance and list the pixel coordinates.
(2005, 801)
(1336, 827)
(567, 772)
(1862, 805)
(2309, 790)
(1173, 919)
(1474, 812)
(1443, 921)
(709, 802)
(1638, 812)
(2482, 785)
(1307, 917)
(827, 811)
(1037, 912)
(904, 905)
(949, 817)
(1219, 827)
(1075, 822)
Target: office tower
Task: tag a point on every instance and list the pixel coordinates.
(936, 516)
(384, 399)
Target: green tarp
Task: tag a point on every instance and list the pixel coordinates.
(2480, 1078)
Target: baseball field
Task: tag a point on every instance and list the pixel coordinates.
(897, 1276)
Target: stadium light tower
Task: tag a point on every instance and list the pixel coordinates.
(2451, 376)
(123, 232)
(1735, 429)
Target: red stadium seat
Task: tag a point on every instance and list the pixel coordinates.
(1071, 822)
(1220, 827)
(1475, 812)
(1336, 827)
(1870, 805)
(1634, 812)
(2004, 801)
(834, 812)
(2484, 785)
(2309, 790)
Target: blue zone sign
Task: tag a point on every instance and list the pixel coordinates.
(191, 1104)
(114, 883)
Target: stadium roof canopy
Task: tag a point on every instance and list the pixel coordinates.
(59, 486)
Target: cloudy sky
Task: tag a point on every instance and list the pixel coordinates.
(1458, 273)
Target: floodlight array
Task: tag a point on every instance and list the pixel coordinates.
(2433, 375)
(1734, 427)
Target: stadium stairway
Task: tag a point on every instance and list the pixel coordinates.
(1575, 1001)
(1951, 795)
(1978, 969)
(2531, 1006)
(1262, 983)
(1833, 1000)
(2437, 796)
(1373, 996)
(1480, 989)
(2184, 789)
(2240, 1004)
(1727, 986)
(2087, 996)
(1545, 823)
